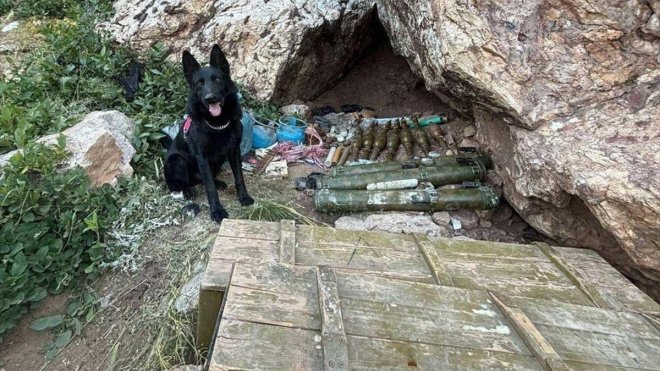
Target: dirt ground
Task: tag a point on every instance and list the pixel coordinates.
(383, 81)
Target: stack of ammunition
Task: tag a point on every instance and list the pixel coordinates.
(376, 139)
(381, 186)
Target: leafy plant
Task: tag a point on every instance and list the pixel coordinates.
(53, 229)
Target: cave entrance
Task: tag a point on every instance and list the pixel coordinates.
(382, 80)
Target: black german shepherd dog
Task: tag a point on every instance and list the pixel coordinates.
(211, 134)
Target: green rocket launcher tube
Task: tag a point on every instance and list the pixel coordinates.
(436, 175)
(461, 158)
(330, 200)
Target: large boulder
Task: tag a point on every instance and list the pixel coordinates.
(100, 144)
(280, 49)
(565, 96)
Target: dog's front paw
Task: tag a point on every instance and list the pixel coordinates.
(246, 200)
(218, 215)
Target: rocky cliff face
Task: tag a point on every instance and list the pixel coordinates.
(280, 50)
(565, 93)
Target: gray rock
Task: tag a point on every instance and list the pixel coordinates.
(299, 110)
(485, 224)
(351, 223)
(441, 218)
(188, 298)
(279, 50)
(469, 131)
(405, 223)
(455, 224)
(100, 144)
(468, 219)
(571, 132)
(469, 142)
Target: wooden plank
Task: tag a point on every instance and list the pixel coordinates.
(369, 354)
(604, 349)
(531, 335)
(538, 280)
(430, 314)
(580, 318)
(433, 261)
(605, 284)
(287, 253)
(468, 249)
(253, 346)
(250, 229)
(323, 237)
(277, 278)
(362, 257)
(280, 309)
(405, 276)
(515, 270)
(594, 335)
(335, 348)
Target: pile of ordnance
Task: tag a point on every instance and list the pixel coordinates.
(405, 186)
(367, 143)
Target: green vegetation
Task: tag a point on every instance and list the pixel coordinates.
(53, 229)
(56, 232)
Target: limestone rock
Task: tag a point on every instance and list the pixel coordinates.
(188, 298)
(350, 223)
(565, 96)
(468, 219)
(281, 50)
(469, 131)
(405, 223)
(299, 110)
(441, 218)
(100, 144)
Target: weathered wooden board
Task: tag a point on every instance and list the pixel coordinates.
(565, 275)
(285, 317)
(593, 336)
(333, 314)
(512, 269)
(608, 287)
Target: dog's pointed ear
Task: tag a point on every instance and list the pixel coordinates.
(218, 59)
(190, 65)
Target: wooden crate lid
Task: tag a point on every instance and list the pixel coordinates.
(575, 276)
(279, 316)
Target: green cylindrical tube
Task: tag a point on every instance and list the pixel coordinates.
(436, 175)
(393, 165)
(329, 200)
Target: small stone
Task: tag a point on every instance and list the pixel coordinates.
(299, 110)
(10, 26)
(350, 223)
(468, 219)
(187, 300)
(450, 153)
(469, 131)
(469, 142)
(188, 368)
(455, 223)
(441, 218)
(485, 224)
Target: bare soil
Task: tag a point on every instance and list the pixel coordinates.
(383, 81)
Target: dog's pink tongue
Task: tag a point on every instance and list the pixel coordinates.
(215, 109)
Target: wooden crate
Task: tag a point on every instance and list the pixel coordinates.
(573, 276)
(284, 317)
